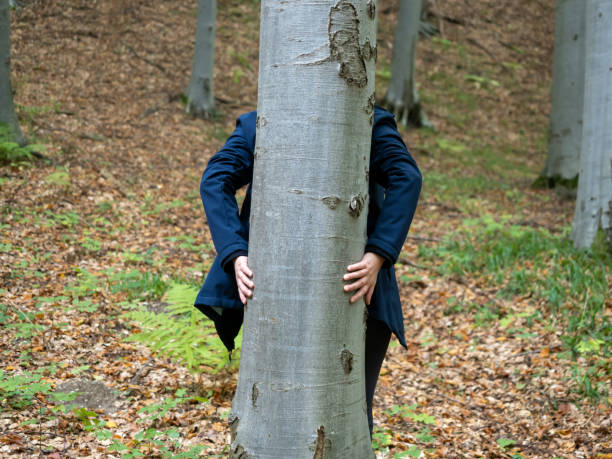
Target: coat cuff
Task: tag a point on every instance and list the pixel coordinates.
(378, 250)
(227, 261)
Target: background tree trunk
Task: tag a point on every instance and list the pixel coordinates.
(7, 109)
(200, 95)
(567, 99)
(301, 388)
(402, 98)
(594, 202)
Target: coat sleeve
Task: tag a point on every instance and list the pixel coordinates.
(396, 171)
(227, 171)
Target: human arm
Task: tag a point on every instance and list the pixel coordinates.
(394, 169)
(226, 172)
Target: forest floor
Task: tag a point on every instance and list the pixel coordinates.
(114, 215)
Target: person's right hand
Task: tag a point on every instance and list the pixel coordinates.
(243, 278)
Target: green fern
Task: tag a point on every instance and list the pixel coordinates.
(183, 333)
(180, 298)
(11, 151)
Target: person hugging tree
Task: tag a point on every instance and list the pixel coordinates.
(394, 187)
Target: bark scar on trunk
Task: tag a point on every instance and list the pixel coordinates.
(234, 420)
(322, 444)
(346, 357)
(239, 453)
(258, 152)
(344, 46)
(371, 9)
(356, 205)
(368, 51)
(369, 108)
(254, 394)
(331, 201)
(205, 84)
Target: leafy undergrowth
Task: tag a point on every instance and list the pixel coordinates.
(570, 287)
(196, 346)
(12, 152)
(103, 243)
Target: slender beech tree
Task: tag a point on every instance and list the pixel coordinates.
(402, 98)
(200, 95)
(594, 201)
(7, 109)
(300, 390)
(564, 144)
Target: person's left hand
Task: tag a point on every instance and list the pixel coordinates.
(364, 275)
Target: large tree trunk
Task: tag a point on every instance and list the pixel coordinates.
(301, 388)
(200, 96)
(402, 98)
(7, 109)
(563, 159)
(594, 202)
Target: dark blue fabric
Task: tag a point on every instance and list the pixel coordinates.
(395, 184)
(377, 342)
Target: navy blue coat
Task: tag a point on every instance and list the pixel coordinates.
(394, 187)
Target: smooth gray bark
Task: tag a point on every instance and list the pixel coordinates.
(200, 94)
(301, 387)
(7, 109)
(567, 98)
(594, 202)
(402, 98)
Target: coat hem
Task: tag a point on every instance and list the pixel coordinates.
(217, 302)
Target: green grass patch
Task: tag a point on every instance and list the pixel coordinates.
(450, 188)
(61, 178)
(134, 284)
(68, 219)
(152, 440)
(523, 261)
(137, 285)
(162, 207)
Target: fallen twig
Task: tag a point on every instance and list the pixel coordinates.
(141, 373)
(439, 17)
(424, 239)
(489, 53)
(149, 111)
(405, 261)
(532, 224)
(453, 20)
(459, 280)
(480, 292)
(442, 206)
(142, 58)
